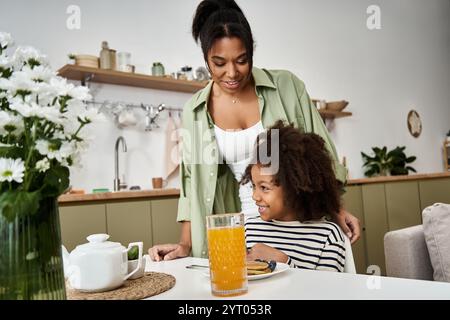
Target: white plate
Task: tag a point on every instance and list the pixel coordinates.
(281, 267)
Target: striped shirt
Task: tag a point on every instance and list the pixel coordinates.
(315, 245)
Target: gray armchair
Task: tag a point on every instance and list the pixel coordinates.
(406, 254)
(423, 251)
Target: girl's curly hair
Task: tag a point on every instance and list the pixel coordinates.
(305, 171)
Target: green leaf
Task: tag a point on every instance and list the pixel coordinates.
(10, 152)
(410, 159)
(133, 253)
(56, 181)
(19, 203)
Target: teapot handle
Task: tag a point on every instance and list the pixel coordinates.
(139, 245)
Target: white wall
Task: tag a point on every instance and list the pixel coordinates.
(383, 73)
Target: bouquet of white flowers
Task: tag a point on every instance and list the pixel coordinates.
(41, 118)
(41, 122)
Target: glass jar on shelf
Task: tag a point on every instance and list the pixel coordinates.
(158, 69)
(105, 56)
(112, 53)
(124, 60)
(187, 71)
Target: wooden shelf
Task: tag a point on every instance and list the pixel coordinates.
(79, 73)
(330, 114)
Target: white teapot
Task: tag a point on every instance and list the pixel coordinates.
(99, 265)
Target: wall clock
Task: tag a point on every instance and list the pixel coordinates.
(414, 123)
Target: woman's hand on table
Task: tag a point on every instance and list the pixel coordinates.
(168, 251)
(349, 224)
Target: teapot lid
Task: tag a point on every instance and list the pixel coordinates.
(98, 241)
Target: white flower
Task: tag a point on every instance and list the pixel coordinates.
(5, 62)
(10, 124)
(26, 109)
(39, 73)
(31, 109)
(52, 151)
(60, 87)
(6, 40)
(51, 114)
(11, 170)
(24, 54)
(43, 165)
(91, 115)
(18, 81)
(79, 93)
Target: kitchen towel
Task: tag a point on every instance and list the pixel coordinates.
(172, 152)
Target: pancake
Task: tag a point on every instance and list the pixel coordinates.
(256, 267)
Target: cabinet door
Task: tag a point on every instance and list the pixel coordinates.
(353, 203)
(375, 218)
(403, 205)
(79, 221)
(130, 222)
(166, 229)
(435, 190)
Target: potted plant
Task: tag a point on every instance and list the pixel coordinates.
(386, 162)
(71, 58)
(133, 256)
(42, 135)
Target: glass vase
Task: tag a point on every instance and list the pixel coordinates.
(31, 266)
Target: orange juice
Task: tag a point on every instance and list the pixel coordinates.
(227, 260)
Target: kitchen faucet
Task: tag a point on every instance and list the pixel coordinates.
(117, 184)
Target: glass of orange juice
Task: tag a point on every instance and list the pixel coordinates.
(227, 254)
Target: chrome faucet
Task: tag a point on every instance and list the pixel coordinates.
(117, 184)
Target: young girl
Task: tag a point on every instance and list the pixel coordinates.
(293, 202)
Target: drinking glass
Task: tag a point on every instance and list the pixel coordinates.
(227, 254)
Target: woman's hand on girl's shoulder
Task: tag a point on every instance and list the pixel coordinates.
(349, 224)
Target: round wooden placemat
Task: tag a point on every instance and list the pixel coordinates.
(152, 283)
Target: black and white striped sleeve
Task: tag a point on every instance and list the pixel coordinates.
(332, 256)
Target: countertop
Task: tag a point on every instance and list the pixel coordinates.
(421, 176)
(172, 192)
(120, 195)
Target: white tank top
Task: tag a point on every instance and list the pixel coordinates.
(236, 148)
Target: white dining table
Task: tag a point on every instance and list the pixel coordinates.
(298, 284)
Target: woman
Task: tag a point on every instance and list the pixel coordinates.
(221, 123)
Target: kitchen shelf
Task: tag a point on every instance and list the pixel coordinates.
(83, 74)
(330, 114)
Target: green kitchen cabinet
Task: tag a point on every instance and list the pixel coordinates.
(166, 229)
(353, 203)
(376, 223)
(434, 190)
(130, 221)
(79, 221)
(403, 204)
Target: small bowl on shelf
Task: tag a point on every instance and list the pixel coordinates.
(336, 105)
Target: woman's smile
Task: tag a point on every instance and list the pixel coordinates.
(232, 85)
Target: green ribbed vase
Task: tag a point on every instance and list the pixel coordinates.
(31, 266)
